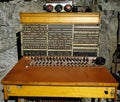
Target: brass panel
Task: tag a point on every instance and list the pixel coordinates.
(60, 18)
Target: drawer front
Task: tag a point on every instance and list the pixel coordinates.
(61, 91)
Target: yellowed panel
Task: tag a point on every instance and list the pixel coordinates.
(61, 91)
(60, 18)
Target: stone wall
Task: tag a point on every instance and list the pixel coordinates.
(10, 25)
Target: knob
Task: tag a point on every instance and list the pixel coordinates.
(58, 8)
(100, 61)
(49, 8)
(68, 8)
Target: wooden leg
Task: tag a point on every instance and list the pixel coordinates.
(5, 93)
(99, 100)
(107, 100)
(93, 100)
(19, 99)
(82, 100)
(114, 100)
(5, 100)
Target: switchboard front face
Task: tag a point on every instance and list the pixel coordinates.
(60, 40)
(60, 34)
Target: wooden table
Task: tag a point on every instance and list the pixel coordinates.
(41, 81)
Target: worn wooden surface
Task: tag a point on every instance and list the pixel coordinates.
(41, 75)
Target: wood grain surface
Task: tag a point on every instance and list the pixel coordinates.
(47, 75)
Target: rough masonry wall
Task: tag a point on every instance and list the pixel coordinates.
(10, 25)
